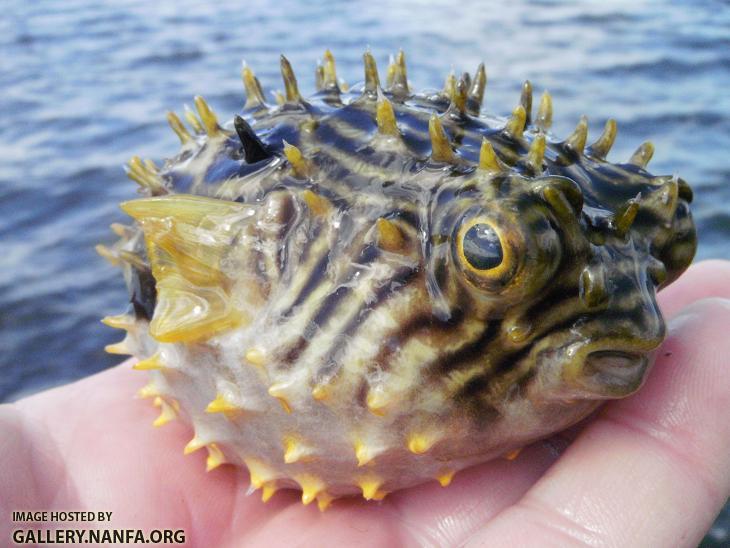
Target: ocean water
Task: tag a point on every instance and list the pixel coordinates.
(85, 84)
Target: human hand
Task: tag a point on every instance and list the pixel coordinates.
(650, 470)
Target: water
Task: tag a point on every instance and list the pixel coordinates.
(86, 84)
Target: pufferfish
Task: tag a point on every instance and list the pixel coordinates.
(372, 288)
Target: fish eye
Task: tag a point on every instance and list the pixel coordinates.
(487, 254)
(481, 247)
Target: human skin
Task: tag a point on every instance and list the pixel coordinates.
(650, 470)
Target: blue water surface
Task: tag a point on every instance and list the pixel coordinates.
(85, 84)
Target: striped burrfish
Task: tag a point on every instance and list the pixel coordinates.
(372, 287)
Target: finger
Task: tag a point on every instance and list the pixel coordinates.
(653, 469)
(702, 280)
(436, 516)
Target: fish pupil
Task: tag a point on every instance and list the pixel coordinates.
(482, 247)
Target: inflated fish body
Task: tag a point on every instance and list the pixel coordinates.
(361, 291)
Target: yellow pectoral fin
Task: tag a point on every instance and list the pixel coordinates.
(176, 251)
(183, 208)
(188, 235)
(186, 313)
(187, 238)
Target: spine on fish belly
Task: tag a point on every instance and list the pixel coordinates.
(360, 292)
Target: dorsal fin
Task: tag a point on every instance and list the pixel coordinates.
(193, 120)
(385, 116)
(290, 82)
(441, 150)
(545, 112)
(299, 164)
(515, 126)
(329, 77)
(642, 155)
(625, 215)
(372, 81)
(254, 93)
(536, 154)
(592, 286)
(457, 108)
(178, 127)
(467, 80)
(207, 116)
(399, 84)
(576, 141)
(390, 72)
(253, 148)
(526, 101)
(476, 92)
(603, 144)
(488, 160)
(146, 175)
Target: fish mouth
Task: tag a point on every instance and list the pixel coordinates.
(618, 373)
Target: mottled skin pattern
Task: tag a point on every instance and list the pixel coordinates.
(365, 290)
